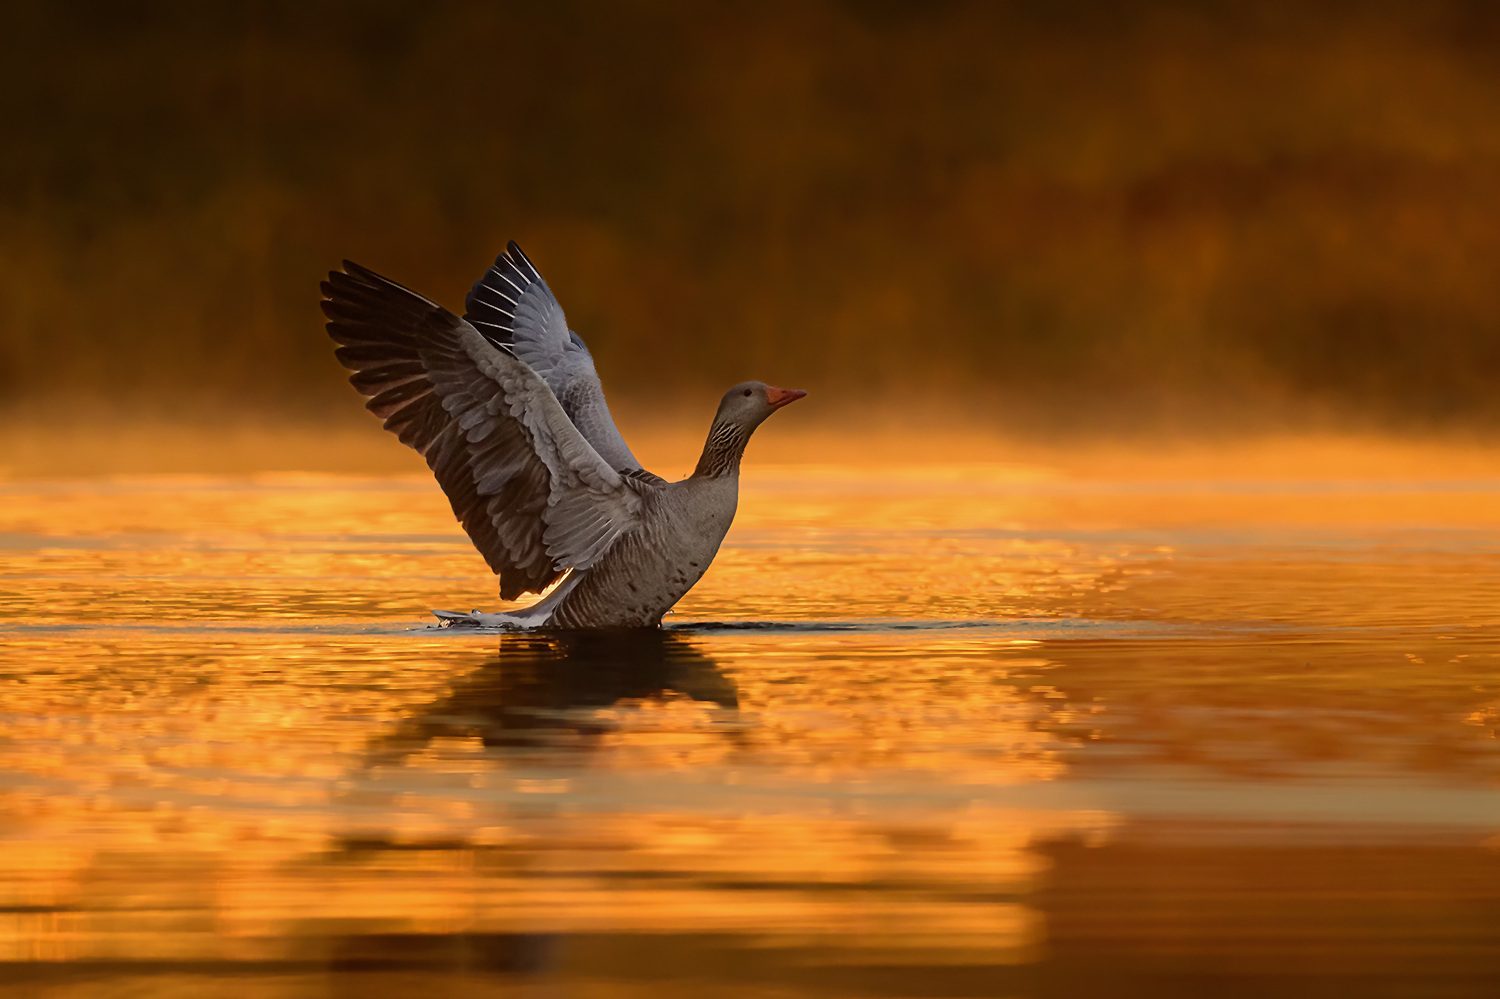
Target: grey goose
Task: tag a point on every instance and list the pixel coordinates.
(506, 406)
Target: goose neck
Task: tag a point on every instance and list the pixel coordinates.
(723, 450)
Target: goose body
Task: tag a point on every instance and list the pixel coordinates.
(507, 408)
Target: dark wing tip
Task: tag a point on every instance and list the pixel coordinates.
(518, 257)
(355, 276)
(491, 302)
(351, 276)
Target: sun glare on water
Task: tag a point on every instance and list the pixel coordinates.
(915, 717)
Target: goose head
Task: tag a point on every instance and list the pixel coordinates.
(742, 409)
(749, 403)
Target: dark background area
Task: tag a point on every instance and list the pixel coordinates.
(1059, 214)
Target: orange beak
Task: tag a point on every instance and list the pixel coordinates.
(780, 397)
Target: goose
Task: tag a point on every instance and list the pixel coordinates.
(506, 406)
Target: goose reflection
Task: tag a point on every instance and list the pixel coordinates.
(546, 689)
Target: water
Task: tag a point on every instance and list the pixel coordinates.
(947, 733)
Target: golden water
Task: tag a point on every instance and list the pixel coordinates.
(958, 731)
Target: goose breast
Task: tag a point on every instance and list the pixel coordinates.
(648, 570)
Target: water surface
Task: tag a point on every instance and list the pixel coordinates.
(952, 732)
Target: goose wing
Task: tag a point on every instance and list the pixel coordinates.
(533, 494)
(512, 307)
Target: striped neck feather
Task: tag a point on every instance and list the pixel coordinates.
(723, 450)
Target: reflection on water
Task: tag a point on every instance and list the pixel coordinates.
(569, 692)
(982, 737)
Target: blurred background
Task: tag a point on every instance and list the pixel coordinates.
(1054, 217)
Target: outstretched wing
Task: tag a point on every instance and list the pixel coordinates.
(513, 308)
(532, 493)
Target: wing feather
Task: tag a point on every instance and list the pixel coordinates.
(512, 307)
(532, 493)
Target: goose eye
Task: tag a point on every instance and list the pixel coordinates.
(747, 393)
